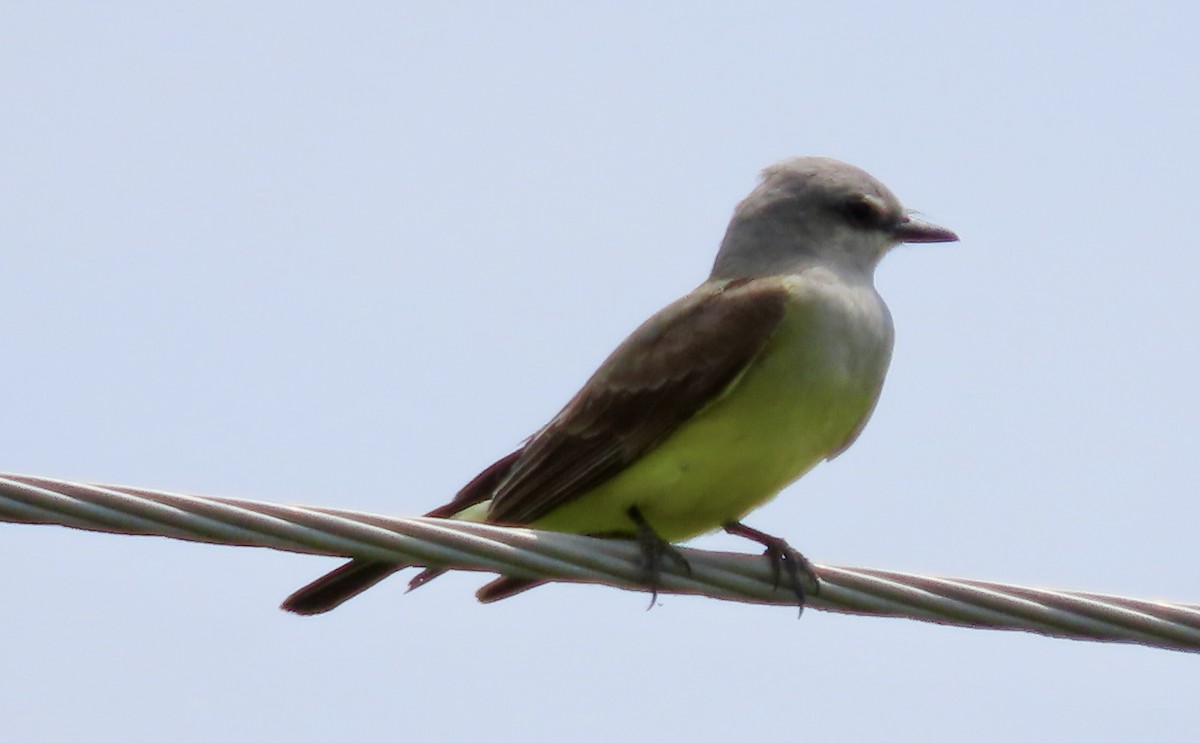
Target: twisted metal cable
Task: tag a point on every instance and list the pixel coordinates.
(566, 557)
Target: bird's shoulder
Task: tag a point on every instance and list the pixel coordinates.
(716, 323)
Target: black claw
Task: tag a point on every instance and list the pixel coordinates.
(783, 558)
(655, 550)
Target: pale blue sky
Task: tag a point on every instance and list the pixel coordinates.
(348, 255)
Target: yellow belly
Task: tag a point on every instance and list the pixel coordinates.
(804, 399)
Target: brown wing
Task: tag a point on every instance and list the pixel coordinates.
(669, 369)
(479, 489)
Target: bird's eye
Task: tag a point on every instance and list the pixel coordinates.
(863, 213)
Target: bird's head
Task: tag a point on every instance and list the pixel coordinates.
(814, 210)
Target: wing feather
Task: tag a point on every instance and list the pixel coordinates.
(668, 370)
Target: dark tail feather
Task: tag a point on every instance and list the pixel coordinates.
(424, 577)
(335, 588)
(504, 587)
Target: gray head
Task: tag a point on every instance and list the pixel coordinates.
(814, 210)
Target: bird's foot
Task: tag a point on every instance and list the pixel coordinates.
(655, 552)
(783, 559)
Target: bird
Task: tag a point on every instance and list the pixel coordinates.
(718, 401)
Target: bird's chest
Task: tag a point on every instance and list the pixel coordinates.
(843, 346)
(821, 373)
(804, 399)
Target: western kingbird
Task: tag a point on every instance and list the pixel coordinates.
(718, 401)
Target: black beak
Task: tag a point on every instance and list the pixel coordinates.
(913, 230)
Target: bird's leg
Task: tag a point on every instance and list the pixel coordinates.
(783, 557)
(654, 550)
